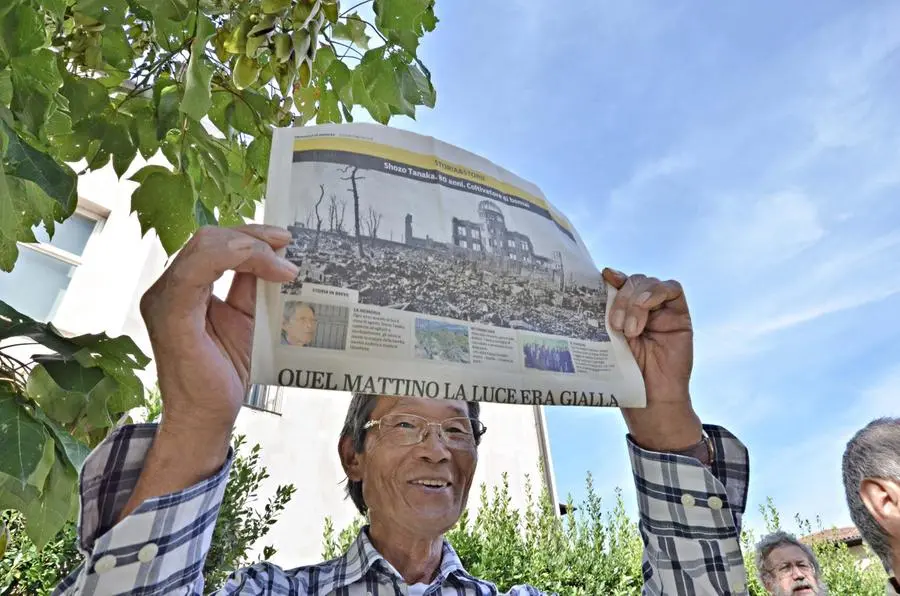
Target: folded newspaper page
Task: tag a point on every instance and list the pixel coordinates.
(428, 271)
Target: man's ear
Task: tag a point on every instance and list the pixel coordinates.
(350, 459)
(881, 497)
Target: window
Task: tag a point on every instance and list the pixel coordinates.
(461, 230)
(264, 397)
(464, 244)
(476, 233)
(523, 245)
(44, 269)
(510, 243)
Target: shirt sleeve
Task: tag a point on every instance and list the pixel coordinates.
(690, 518)
(161, 546)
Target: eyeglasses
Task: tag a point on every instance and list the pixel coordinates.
(803, 567)
(408, 429)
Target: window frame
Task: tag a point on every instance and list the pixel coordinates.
(65, 256)
(88, 210)
(277, 400)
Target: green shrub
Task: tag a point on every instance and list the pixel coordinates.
(594, 550)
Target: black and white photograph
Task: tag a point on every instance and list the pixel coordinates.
(440, 340)
(463, 257)
(309, 325)
(544, 353)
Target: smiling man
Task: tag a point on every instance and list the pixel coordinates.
(787, 567)
(148, 511)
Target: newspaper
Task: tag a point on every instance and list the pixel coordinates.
(428, 271)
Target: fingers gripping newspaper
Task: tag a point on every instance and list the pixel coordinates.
(427, 271)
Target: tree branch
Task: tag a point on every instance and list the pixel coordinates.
(354, 7)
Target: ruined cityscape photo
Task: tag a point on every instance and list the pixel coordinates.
(486, 274)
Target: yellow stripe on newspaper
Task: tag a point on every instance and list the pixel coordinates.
(423, 161)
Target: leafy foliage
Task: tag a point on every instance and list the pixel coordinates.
(26, 570)
(592, 550)
(201, 82)
(841, 570)
(240, 525)
(56, 406)
(104, 82)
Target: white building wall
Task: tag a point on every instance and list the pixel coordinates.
(300, 445)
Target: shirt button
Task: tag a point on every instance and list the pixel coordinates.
(715, 503)
(104, 564)
(147, 552)
(688, 500)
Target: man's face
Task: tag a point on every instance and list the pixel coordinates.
(393, 474)
(791, 573)
(301, 328)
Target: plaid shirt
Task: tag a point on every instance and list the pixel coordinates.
(690, 519)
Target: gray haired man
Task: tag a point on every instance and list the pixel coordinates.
(150, 495)
(786, 566)
(871, 470)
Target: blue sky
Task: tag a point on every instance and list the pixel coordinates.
(750, 150)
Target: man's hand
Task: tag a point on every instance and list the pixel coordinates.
(654, 317)
(201, 346)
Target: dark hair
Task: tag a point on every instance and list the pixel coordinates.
(361, 407)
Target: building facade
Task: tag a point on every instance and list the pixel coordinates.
(90, 277)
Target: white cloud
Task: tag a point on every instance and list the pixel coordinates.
(753, 235)
(844, 279)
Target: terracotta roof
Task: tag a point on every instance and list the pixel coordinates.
(848, 535)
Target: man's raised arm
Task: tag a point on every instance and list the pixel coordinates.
(150, 494)
(691, 479)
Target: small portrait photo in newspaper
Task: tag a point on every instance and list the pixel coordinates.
(309, 325)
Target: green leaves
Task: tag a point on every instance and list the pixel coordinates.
(71, 399)
(405, 21)
(197, 98)
(174, 10)
(353, 30)
(22, 441)
(21, 31)
(35, 81)
(99, 81)
(165, 202)
(24, 161)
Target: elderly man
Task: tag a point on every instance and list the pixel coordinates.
(786, 566)
(150, 495)
(871, 470)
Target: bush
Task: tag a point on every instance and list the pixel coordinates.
(240, 525)
(594, 550)
(26, 570)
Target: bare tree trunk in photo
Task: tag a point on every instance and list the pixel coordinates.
(372, 221)
(318, 218)
(336, 211)
(331, 213)
(353, 178)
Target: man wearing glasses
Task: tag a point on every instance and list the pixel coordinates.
(148, 511)
(786, 566)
